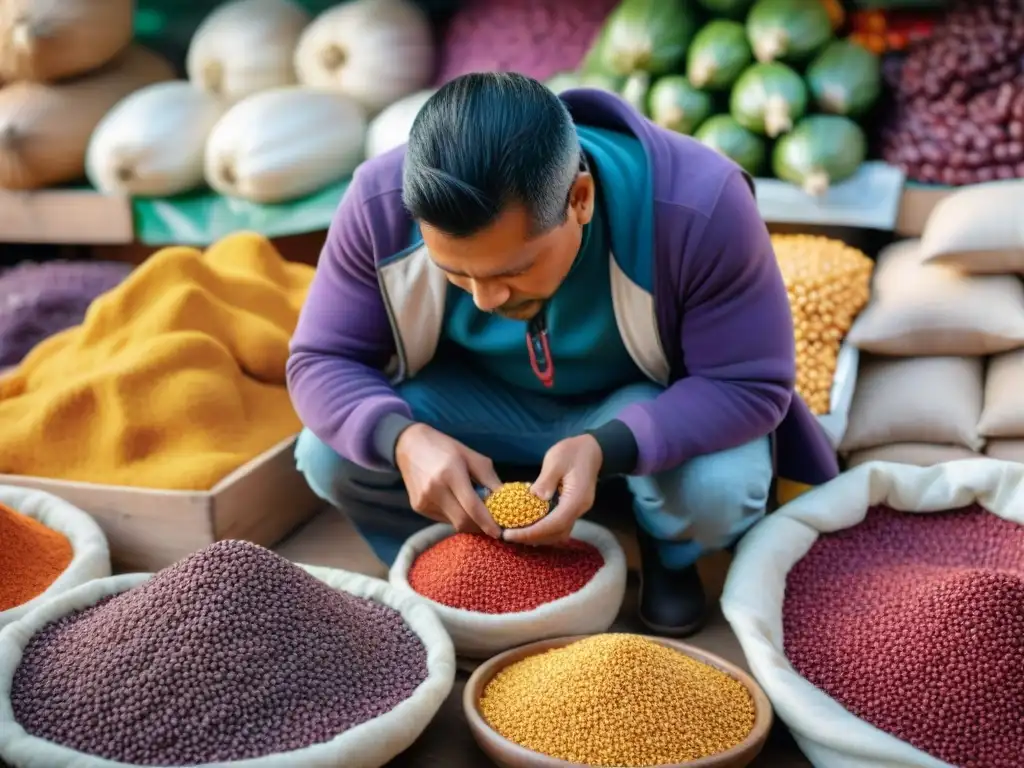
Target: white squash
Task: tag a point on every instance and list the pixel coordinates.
(152, 143)
(246, 46)
(46, 40)
(391, 127)
(285, 144)
(376, 51)
(45, 128)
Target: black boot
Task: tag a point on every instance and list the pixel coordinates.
(672, 602)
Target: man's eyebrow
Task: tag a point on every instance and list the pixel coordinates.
(503, 273)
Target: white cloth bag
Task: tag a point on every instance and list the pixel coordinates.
(90, 557)
(591, 610)
(828, 734)
(369, 745)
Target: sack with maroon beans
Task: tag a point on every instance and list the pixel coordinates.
(883, 614)
(233, 655)
(492, 595)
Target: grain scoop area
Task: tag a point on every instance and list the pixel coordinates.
(200, 568)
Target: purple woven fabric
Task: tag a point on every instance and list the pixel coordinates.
(38, 300)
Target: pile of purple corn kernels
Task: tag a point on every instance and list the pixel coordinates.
(915, 624)
(232, 653)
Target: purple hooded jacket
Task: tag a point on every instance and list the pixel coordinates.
(721, 316)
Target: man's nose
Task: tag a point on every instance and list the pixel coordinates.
(489, 295)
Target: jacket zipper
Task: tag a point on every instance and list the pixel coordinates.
(541, 362)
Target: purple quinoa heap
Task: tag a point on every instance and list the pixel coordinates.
(915, 624)
(232, 653)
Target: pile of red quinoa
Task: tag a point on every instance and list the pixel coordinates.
(233, 653)
(473, 572)
(915, 623)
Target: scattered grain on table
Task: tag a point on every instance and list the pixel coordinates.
(231, 654)
(915, 624)
(514, 505)
(473, 572)
(618, 699)
(828, 283)
(32, 556)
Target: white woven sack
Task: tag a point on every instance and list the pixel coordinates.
(752, 601)
(591, 610)
(90, 557)
(369, 745)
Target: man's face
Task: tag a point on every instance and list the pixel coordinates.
(508, 270)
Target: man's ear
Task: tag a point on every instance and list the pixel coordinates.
(582, 198)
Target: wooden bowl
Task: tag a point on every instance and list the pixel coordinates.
(508, 754)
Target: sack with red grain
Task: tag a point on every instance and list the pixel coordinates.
(492, 595)
(879, 612)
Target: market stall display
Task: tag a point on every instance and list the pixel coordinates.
(615, 700)
(775, 67)
(218, 658)
(39, 299)
(491, 595)
(174, 379)
(48, 547)
(536, 37)
(376, 52)
(45, 127)
(285, 143)
(246, 46)
(152, 143)
(959, 98)
(889, 571)
(43, 42)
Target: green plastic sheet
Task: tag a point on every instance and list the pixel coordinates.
(203, 218)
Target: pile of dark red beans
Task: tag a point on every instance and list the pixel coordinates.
(915, 624)
(233, 653)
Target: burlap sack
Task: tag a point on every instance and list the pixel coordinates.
(917, 454)
(90, 554)
(1003, 413)
(930, 309)
(369, 745)
(479, 635)
(978, 229)
(752, 601)
(1006, 450)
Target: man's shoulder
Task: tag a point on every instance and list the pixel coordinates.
(690, 177)
(380, 176)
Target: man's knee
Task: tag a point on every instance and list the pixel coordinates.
(334, 478)
(725, 493)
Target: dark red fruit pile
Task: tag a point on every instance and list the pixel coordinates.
(915, 623)
(535, 37)
(477, 573)
(959, 113)
(232, 653)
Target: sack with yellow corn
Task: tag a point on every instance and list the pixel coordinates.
(828, 283)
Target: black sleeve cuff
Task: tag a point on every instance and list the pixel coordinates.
(618, 447)
(386, 434)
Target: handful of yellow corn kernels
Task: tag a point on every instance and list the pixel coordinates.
(828, 283)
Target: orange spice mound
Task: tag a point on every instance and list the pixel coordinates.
(32, 556)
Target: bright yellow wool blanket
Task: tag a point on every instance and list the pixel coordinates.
(175, 378)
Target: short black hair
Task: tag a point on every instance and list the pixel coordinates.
(487, 140)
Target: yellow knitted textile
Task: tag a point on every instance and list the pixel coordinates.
(174, 379)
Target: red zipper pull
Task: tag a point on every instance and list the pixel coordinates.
(540, 353)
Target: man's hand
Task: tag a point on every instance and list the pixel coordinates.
(571, 468)
(439, 472)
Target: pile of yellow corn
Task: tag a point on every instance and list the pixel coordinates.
(828, 284)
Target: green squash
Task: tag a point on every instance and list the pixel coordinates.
(718, 55)
(675, 104)
(788, 30)
(768, 99)
(725, 135)
(635, 91)
(563, 81)
(820, 151)
(845, 78)
(726, 9)
(602, 82)
(647, 36)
